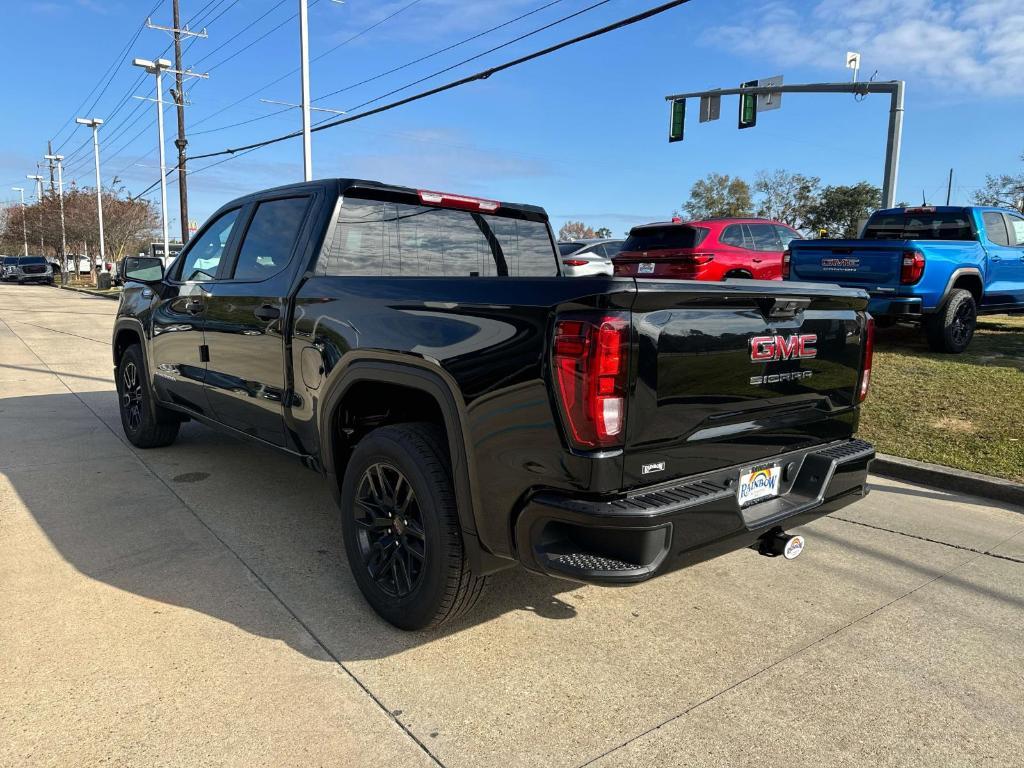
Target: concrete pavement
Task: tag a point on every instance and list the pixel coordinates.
(192, 605)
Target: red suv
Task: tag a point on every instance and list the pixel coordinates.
(713, 249)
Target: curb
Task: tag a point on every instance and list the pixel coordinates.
(92, 292)
(949, 479)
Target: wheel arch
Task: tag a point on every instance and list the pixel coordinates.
(430, 381)
(127, 331)
(968, 278)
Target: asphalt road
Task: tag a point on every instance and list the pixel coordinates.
(192, 606)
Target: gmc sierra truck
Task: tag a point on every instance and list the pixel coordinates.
(471, 408)
(940, 266)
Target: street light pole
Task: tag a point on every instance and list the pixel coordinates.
(95, 123)
(157, 68)
(59, 159)
(307, 144)
(24, 226)
(39, 199)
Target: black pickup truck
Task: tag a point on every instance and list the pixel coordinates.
(472, 408)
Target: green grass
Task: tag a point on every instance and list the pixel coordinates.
(964, 411)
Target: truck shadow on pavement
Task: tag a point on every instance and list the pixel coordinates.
(214, 525)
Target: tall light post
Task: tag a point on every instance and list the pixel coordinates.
(157, 68)
(59, 160)
(24, 226)
(39, 199)
(95, 123)
(307, 143)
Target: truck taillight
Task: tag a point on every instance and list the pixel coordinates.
(590, 371)
(787, 258)
(869, 353)
(912, 267)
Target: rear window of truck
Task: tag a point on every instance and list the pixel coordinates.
(935, 225)
(663, 238)
(377, 238)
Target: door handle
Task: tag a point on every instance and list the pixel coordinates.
(267, 312)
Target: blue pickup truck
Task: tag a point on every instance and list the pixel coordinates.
(941, 266)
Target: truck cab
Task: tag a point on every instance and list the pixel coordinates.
(941, 266)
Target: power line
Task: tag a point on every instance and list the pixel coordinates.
(481, 75)
(381, 74)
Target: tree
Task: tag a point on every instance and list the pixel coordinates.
(841, 209)
(1002, 190)
(719, 195)
(787, 197)
(575, 230)
(602, 232)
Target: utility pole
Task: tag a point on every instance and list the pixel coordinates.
(894, 88)
(24, 226)
(949, 187)
(59, 160)
(307, 142)
(95, 123)
(49, 153)
(178, 93)
(181, 142)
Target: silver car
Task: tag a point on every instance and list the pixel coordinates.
(583, 258)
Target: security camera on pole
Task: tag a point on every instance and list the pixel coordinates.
(95, 123)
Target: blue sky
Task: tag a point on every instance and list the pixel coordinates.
(581, 132)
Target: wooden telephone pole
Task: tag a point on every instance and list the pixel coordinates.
(181, 142)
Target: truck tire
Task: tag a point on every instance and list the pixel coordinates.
(145, 424)
(952, 327)
(401, 528)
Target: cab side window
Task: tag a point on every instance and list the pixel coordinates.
(1015, 229)
(995, 228)
(201, 262)
(271, 238)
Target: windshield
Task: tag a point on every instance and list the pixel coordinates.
(663, 238)
(10, 260)
(566, 248)
(927, 225)
(32, 260)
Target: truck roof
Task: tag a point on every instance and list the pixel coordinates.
(343, 185)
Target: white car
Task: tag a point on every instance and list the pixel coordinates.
(583, 258)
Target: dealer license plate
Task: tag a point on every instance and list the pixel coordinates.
(646, 268)
(758, 484)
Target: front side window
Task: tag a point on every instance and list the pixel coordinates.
(271, 238)
(205, 252)
(786, 235)
(376, 238)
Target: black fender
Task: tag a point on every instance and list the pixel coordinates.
(431, 379)
(957, 274)
(133, 324)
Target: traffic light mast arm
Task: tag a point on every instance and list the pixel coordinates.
(894, 88)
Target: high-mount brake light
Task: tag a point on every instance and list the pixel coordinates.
(869, 353)
(590, 368)
(920, 209)
(912, 268)
(449, 200)
(787, 260)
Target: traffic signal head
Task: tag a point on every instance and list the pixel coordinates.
(677, 120)
(748, 106)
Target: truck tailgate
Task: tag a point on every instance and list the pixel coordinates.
(848, 262)
(732, 373)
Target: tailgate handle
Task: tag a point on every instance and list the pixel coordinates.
(783, 308)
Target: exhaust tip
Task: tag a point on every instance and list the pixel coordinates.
(781, 543)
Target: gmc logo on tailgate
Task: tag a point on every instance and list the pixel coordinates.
(764, 349)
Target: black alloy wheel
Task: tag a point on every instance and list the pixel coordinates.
(391, 538)
(131, 395)
(962, 327)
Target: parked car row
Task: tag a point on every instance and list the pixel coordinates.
(26, 269)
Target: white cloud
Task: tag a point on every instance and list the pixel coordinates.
(961, 46)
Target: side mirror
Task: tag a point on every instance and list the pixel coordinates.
(143, 269)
